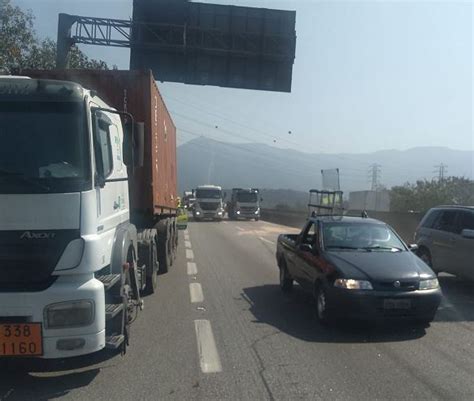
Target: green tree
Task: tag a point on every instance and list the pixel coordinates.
(21, 48)
(426, 194)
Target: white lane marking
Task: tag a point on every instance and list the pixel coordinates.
(186, 232)
(189, 254)
(225, 222)
(187, 244)
(186, 237)
(239, 228)
(195, 291)
(192, 269)
(267, 240)
(207, 350)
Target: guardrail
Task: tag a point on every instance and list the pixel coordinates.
(404, 224)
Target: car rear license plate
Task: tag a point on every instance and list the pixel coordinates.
(397, 304)
(21, 339)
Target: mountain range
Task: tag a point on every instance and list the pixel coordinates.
(204, 161)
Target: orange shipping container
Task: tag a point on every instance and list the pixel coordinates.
(153, 187)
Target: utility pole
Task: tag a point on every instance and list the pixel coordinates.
(374, 176)
(441, 171)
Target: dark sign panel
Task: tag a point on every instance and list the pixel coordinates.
(209, 44)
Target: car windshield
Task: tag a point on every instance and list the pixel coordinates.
(43, 147)
(373, 237)
(250, 197)
(208, 193)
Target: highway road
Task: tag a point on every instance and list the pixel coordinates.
(220, 329)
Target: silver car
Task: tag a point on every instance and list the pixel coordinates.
(445, 239)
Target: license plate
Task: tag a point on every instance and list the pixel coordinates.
(21, 339)
(397, 304)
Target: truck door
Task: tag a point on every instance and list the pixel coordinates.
(111, 177)
(304, 256)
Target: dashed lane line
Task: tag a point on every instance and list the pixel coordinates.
(196, 294)
(208, 356)
(192, 269)
(187, 244)
(189, 254)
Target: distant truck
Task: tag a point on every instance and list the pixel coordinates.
(209, 203)
(188, 200)
(244, 203)
(88, 207)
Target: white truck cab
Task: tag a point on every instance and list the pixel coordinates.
(209, 203)
(68, 252)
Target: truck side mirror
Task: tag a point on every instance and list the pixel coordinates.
(133, 144)
(139, 144)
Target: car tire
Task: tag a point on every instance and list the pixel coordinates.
(323, 314)
(286, 282)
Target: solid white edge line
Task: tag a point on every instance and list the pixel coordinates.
(189, 254)
(196, 294)
(239, 228)
(192, 269)
(267, 240)
(207, 350)
(187, 244)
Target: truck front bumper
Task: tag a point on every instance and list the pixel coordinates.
(29, 307)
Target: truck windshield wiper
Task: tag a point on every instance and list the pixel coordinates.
(24, 178)
(383, 248)
(341, 247)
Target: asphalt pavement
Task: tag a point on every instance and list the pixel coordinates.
(219, 328)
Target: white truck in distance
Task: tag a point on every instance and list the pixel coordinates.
(74, 258)
(244, 204)
(209, 203)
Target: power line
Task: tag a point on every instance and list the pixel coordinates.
(374, 174)
(441, 171)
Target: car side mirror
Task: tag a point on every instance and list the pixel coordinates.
(413, 247)
(466, 233)
(306, 248)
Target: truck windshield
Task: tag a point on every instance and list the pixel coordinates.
(373, 237)
(209, 193)
(247, 197)
(43, 147)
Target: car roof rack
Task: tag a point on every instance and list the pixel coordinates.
(325, 203)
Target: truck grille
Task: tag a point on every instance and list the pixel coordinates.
(248, 209)
(389, 286)
(27, 258)
(208, 205)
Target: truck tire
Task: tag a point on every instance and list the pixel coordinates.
(323, 312)
(148, 256)
(174, 238)
(163, 243)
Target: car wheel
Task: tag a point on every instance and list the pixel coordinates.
(322, 311)
(286, 282)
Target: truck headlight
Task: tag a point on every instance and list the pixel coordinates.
(238, 212)
(198, 212)
(350, 284)
(430, 284)
(219, 213)
(69, 314)
(257, 211)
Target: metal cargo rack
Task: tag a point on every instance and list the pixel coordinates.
(325, 203)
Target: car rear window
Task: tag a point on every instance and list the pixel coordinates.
(430, 218)
(466, 220)
(446, 221)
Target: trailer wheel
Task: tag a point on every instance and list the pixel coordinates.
(163, 240)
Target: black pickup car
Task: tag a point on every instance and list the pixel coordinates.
(357, 267)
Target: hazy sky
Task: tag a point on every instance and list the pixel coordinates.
(368, 76)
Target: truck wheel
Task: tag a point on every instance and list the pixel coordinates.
(152, 273)
(322, 311)
(163, 245)
(286, 282)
